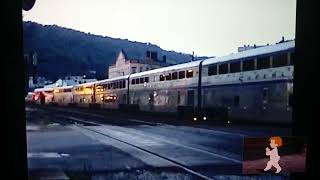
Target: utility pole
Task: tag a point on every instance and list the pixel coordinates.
(192, 56)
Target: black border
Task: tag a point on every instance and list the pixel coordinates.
(13, 118)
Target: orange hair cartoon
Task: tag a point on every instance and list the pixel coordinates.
(277, 140)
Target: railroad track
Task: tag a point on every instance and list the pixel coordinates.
(85, 125)
(82, 124)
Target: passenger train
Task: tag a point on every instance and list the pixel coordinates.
(255, 84)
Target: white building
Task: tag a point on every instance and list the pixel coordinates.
(124, 65)
(70, 81)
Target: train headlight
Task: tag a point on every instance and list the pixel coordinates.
(229, 122)
(194, 118)
(204, 118)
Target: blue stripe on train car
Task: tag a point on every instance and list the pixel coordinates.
(249, 83)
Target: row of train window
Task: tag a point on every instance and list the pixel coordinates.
(115, 85)
(169, 76)
(249, 65)
(63, 90)
(177, 75)
(140, 80)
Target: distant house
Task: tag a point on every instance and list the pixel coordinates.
(125, 65)
(37, 82)
(70, 81)
(248, 47)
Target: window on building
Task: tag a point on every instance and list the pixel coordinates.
(182, 74)
(161, 77)
(248, 65)
(168, 76)
(280, 60)
(133, 81)
(189, 73)
(212, 70)
(146, 79)
(174, 75)
(133, 70)
(141, 80)
(223, 68)
(235, 67)
(263, 63)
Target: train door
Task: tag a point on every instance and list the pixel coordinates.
(179, 98)
(151, 101)
(191, 98)
(124, 98)
(265, 92)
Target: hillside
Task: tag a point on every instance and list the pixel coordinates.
(65, 51)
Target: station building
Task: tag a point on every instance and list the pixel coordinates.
(125, 65)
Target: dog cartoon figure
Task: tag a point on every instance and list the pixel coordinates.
(275, 142)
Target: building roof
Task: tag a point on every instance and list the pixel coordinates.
(133, 58)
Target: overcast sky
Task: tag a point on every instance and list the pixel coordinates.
(207, 27)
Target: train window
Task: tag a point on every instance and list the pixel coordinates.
(168, 76)
(235, 67)
(124, 83)
(117, 85)
(161, 77)
(67, 90)
(133, 81)
(182, 74)
(141, 69)
(137, 81)
(113, 85)
(146, 79)
(248, 65)
(280, 60)
(175, 75)
(223, 68)
(263, 63)
(189, 73)
(120, 84)
(141, 80)
(292, 58)
(212, 70)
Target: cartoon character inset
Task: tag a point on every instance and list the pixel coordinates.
(273, 154)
